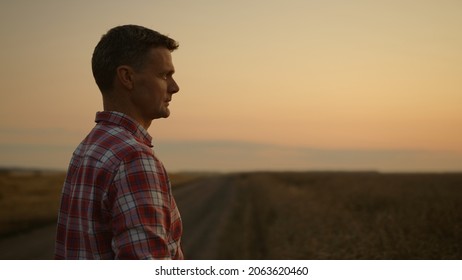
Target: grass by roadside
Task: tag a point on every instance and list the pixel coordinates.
(28, 199)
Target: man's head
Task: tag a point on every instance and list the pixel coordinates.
(133, 69)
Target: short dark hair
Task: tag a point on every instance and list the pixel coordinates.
(124, 45)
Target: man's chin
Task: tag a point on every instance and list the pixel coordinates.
(165, 114)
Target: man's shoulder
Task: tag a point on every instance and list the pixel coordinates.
(119, 138)
(111, 143)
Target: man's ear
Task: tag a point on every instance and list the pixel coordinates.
(124, 75)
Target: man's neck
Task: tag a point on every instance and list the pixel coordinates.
(127, 110)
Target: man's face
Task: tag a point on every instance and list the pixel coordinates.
(154, 86)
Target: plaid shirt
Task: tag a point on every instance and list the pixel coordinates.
(116, 201)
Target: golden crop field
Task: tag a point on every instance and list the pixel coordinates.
(346, 216)
(29, 199)
(294, 215)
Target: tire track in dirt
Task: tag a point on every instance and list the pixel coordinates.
(205, 208)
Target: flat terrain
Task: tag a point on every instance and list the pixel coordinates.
(345, 216)
(273, 215)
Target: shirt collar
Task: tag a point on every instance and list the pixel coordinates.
(126, 122)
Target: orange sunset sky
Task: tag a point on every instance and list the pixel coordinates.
(299, 85)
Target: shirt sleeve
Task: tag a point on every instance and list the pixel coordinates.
(141, 209)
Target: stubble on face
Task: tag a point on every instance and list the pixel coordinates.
(154, 86)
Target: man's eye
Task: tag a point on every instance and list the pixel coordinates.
(166, 76)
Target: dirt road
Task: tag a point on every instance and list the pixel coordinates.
(37, 244)
(204, 206)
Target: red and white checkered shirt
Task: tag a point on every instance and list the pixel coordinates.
(117, 201)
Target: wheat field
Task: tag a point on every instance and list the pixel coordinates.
(329, 215)
(295, 215)
(30, 198)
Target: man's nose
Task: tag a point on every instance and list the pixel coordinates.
(173, 87)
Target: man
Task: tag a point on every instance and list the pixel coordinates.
(116, 201)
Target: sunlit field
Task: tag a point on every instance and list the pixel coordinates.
(29, 199)
(295, 215)
(346, 216)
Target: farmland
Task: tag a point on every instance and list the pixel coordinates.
(28, 199)
(284, 215)
(346, 216)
